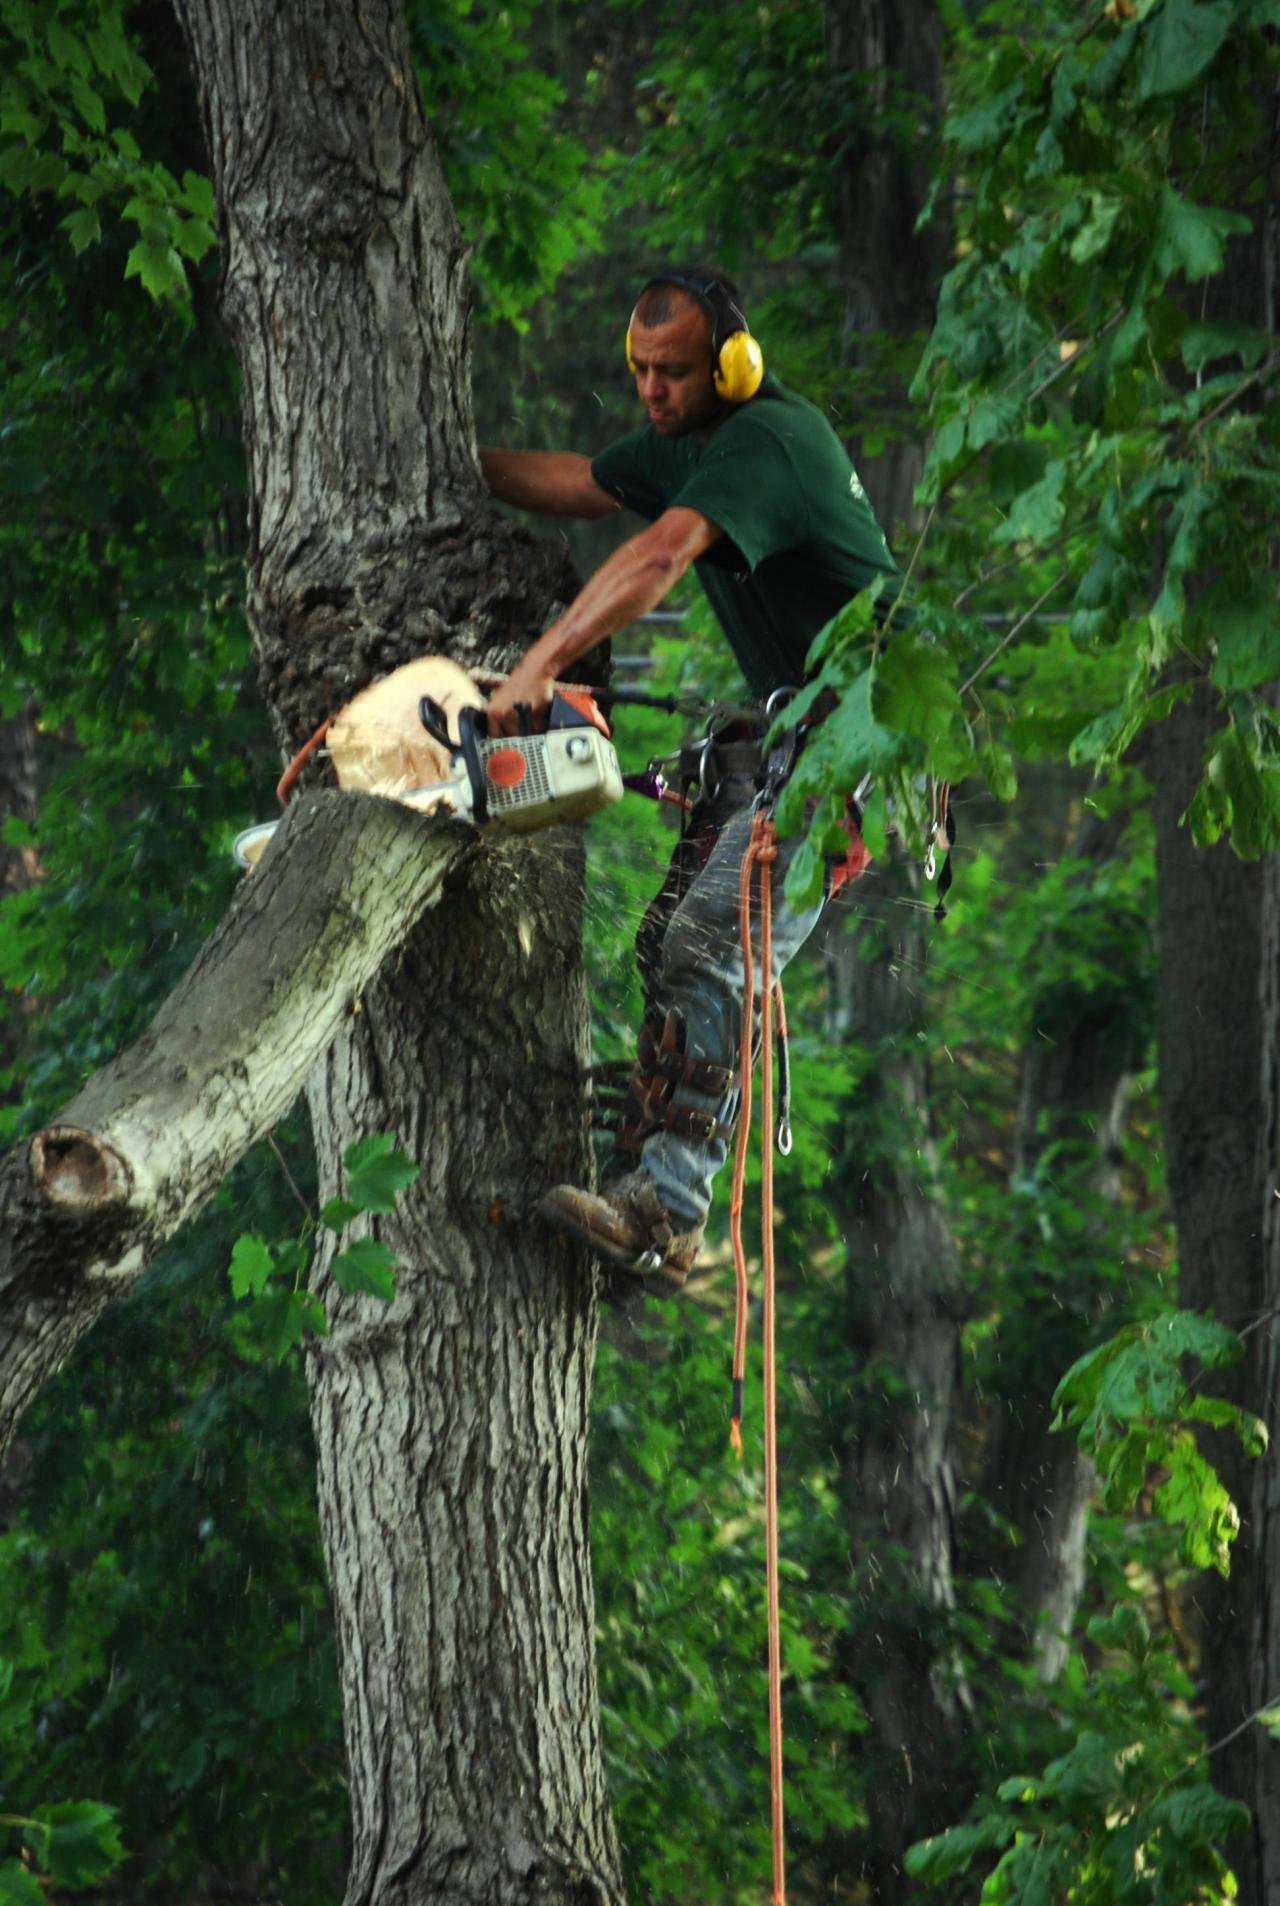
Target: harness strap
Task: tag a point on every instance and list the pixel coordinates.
(662, 1067)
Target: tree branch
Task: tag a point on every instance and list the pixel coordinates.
(87, 1202)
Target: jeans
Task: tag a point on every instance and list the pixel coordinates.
(698, 972)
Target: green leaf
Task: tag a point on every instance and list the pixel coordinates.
(1193, 1495)
(1199, 1814)
(158, 265)
(68, 49)
(19, 1887)
(951, 1852)
(251, 1265)
(913, 690)
(83, 227)
(196, 196)
(338, 1212)
(1270, 1719)
(1037, 512)
(377, 1173)
(1202, 343)
(1094, 235)
(279, 1320)
(1247, 633)
(1242, 792)
(1178, 44)
(986, 123)
(83, 1845)
(193, 237)
(997, 768)
(367, 1265)
(88, 103)
(1191, 238)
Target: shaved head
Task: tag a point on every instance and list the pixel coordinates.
(659, 304)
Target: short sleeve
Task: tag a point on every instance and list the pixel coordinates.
(626, 472)
(748, 485)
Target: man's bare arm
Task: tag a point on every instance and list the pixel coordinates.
(551, 482)
(631, 581)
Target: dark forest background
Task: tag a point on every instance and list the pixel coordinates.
(1025, 256)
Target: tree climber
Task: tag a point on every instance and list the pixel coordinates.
(748, 482)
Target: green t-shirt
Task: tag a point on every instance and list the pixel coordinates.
(800, 537)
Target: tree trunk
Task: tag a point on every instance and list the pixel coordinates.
(1073, 1093)
(891, 56)
(451, 1429)
(903, 1323)
(1211, 1036)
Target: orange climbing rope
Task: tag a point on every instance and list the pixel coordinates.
(284, 787)
(762, 850)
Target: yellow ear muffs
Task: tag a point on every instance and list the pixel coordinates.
(739, 370)
(739, 367)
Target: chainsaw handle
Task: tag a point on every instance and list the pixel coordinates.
(432, 717)
(473, 725)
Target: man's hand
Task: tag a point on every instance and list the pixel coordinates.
(627, 584)
(526, 684)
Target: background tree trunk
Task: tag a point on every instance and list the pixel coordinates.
(451, 1429)
(891, 56)
(1211, 1037)
(902, 1331)
(1073, 1094)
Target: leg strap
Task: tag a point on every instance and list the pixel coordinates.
(660, 1070)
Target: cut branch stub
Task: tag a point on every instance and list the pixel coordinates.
(74, 1168)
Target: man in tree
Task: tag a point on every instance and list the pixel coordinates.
(749, 483)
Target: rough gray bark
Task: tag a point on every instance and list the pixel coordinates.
(903, 1322)
(88, 1201)
(891, 56)
(451, 1430)
(1211, 1038)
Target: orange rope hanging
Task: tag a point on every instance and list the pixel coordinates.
(762, 848)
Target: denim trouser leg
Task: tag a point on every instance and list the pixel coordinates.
(700, 976)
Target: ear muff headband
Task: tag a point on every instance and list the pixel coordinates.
(737, 360)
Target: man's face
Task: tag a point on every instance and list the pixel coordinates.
(673, 371)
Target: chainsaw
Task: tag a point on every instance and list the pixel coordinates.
(429, 718)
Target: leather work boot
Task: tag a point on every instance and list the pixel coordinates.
(629, 1228)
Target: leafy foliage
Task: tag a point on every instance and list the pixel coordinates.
(1134, 1410)
(1103, 453)
(1122, 1812)
(1104, 417)
(275, 1309)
